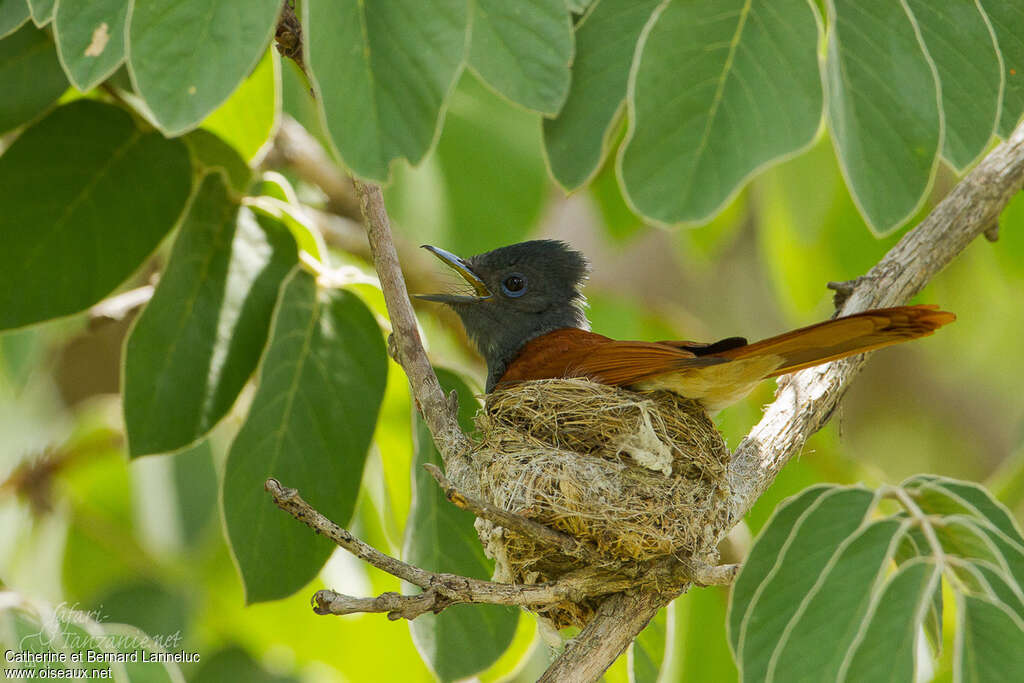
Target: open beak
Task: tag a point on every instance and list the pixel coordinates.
(463, 269)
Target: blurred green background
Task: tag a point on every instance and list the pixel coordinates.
(143, 542)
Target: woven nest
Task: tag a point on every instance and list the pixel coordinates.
(637, 475)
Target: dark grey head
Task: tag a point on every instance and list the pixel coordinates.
(520, 292)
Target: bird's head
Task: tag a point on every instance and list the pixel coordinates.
(519, 292)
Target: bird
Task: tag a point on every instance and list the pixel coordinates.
(526, 318)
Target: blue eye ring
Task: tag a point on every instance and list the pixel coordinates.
(514, 285)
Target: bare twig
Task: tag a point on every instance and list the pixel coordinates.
(437, 411)
(443, 589)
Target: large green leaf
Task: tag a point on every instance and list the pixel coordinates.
(605, 42)
(200, 337)
(30, 76)
(883, 109)
(990, 642)
(506, 197)
(112, 193)
(523, 49)
(887, 643)
(188, 56)
(764, 554)
(441, 537)
(321, 384)
(950, 496)
(42, 11)
(210, 152)
(963, 47)
(247, 119)
(1007, 19)
(90, 39)
(195, 483)
(13, 13)
(811, 544)
(648, 652)
(721, 90)
(833, 611)
(382, 71)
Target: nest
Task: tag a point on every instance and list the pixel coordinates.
(637, 475)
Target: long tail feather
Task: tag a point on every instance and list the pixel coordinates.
(834, 339)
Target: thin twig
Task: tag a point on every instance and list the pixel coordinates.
(434, 405)
(444, 588)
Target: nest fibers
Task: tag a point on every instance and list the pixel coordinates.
(638, 475)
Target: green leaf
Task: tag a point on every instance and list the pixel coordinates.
(951, 496)
(887, 643)
(321, 384)
(575, 140)
(42, 11)
(834, 610)
(989, 581)
(30, 76)
(90, 39)
(989, 644)
(963, 47)
(506, 197)
(210, 152)
(246, 121)
(195, 480)
(883, 109)
(524, 50)
(1007, 19)
(382, 72)
(187, 56)
(13, 13)
(441, 537)
(812, 542)
(200, 337)
(578, 6)
(960, 537)
(914, 544)
(283, 204)
(763, 555)
(721, 90)
(647, 653)
(107, 183)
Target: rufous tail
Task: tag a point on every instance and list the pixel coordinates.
(843, 337)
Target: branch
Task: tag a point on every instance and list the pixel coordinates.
(443, 589)
(437, 410)
(805, 400)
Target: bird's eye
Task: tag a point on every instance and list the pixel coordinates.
(514, 285)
